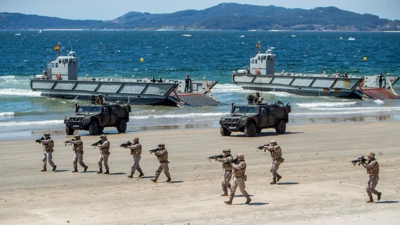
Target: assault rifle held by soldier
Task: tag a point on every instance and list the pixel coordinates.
(125, 144)
(153, 150)
(262, 146)
(69, 141)
(215, 157)
(360, 160)
(40, 139)
(96, 143)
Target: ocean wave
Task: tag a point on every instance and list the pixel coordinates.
(19, 92)
(26, 123)
(6, 114)
(326, 104)
(8, 78)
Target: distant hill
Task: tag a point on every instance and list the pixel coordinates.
(225, 16)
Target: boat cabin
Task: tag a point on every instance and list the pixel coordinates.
(63, 68)
(263, 63)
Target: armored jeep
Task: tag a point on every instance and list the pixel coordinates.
(252, 118)
(95, 117)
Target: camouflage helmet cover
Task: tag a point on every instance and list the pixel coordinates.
(135, 139)
(77, 136)
(103, 136)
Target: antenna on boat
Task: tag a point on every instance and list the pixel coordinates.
(58, 48)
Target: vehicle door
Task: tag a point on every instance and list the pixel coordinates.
(113, 114)
(105, 116)
(271, 115)
(263, 121)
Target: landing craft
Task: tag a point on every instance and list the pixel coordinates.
(60, 80)
(261, 76)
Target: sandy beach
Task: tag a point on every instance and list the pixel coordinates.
(319, 184)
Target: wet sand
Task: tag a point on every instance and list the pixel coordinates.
(319, 184)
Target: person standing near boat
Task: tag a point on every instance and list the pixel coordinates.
(381, 79)
(188, 84)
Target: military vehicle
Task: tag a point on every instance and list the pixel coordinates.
(252, 118)
(95, 117)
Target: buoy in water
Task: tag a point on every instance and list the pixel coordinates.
(365, 58)
(141, 60)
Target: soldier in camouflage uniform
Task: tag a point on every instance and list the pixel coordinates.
(239, 177)
(104, 148)
(372, 167)
(276, 155)
(48, 145)
(226, 166)
(136, 151)
(78, 152)
(162, 157)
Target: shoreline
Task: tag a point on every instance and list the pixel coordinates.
(319, 184)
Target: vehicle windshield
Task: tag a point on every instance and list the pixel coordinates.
(89, 109)
(246, 109)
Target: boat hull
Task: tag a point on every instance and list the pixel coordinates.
(301, 85)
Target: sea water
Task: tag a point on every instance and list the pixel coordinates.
(211, 55)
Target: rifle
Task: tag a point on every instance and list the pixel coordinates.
(125, 144)
(68, 141)
(262, 146)
(96, 143)
(215, 157)
(40, 139)
(153, 150)
(360, 160)
(235, 160)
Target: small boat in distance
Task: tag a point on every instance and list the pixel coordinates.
(186, 35)
(351, 39)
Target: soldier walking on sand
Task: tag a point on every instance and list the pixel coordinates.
(48, 150)
(104, 148)
(136, 151)
(78, 152)
(276, 155)
(372, 167)
(162, 156)
(227, 168)
(239, 177)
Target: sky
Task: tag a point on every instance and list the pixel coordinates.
(111, 9)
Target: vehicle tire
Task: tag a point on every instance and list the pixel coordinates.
(69, 130)
(93, 128)
(250, 130)
(280, 127)
(101, 129)
(121, 127)
(224, 131)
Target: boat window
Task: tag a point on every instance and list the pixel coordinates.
(264, 57)
(56, 65)
(252, 60)
(258, 57)
(255, 61)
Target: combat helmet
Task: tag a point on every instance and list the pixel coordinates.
(103, 137)
(161, 145)
(135, 140)
(46, 134)
(77, 137)
(226, 150)
(273, 142)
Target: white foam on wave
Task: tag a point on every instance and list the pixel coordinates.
(220, 88)
(8, 78)
(27, 123)
(186, 115)
(326, 104)
(19, 92)
(6, 114)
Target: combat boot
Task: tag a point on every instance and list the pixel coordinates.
(379, 195)
(228, 202)
(131, 176)
(75, 170)
(248, 201)
(273, 181)
(141, 174)
(107, 172)
(54, 168)
(279, 177)
(224, 194)
(168, 180)
(154, 180)
(44, 169)
(371, 200)
(100, 171)
(85, 169)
